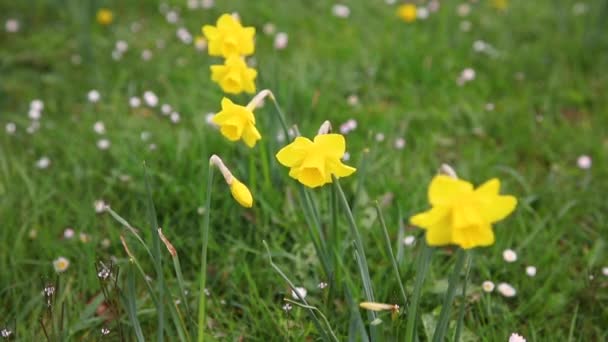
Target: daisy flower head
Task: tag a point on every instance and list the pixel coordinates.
(516, 338)
(487, 286)
(507, 290)
(509, 255)
(61, 264)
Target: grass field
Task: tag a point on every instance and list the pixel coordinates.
(531, 111)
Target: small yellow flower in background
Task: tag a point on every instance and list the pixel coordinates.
(407, 12)
(61, 264)
(462, 215)
(229, 38)
(500, 5)
(234, 76)
(239, 191)
(313, 163)
(237, 122)
(105, 16)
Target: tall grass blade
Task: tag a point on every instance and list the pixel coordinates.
(446, 307)
(313, 316)
(158, 262)
(462, 308)
(205, 241)
(422, 268)
(389, 250)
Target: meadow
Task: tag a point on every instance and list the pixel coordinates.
(107, 109)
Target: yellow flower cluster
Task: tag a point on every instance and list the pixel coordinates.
(229, 39)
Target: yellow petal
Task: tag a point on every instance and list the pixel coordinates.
(439, 234)
(217, 72)
(251, 135)
(444, 189)
(491, 187)
(312, 177)
(241, 193)
(496, 208)
(492, 206)
(232, 132)
(429, 218)
(293, 154)
(474, 236)
(338, 169)
(227, 21)
(332, 145)
(210, 32)
(466, 214)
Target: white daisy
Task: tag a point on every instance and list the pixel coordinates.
(509, 255)
(11, 128)
(99, 127)
(584, 162)
(103, 144)
(506, 290)
(340, 11)
(516, 338)
(281, 40)
(301, 291)
(93, 96)
(61, 264)
(487, 286)
(531, 271)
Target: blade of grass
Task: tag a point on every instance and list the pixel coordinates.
(389, 250)
(131, 305)
(446, 307)
(205, 241)
(333, 335)
(158, 262)
(422, 267)
(573, 324)
(462, 308)
(312, 314)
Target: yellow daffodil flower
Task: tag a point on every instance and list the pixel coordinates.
(500, 5)
(241, 193)
(229, 38)
(313, 163)
(105, 16)
(462, 215)
(237, 122)
(234, 76)
(407, 12)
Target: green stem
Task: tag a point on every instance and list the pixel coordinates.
(281, 117)
(205, 238)
(462, 308)
(359, 256)
(446, 307)
(389, 249)
(422, 268)
(358, 241)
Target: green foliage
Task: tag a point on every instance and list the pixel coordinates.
(546, 82)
